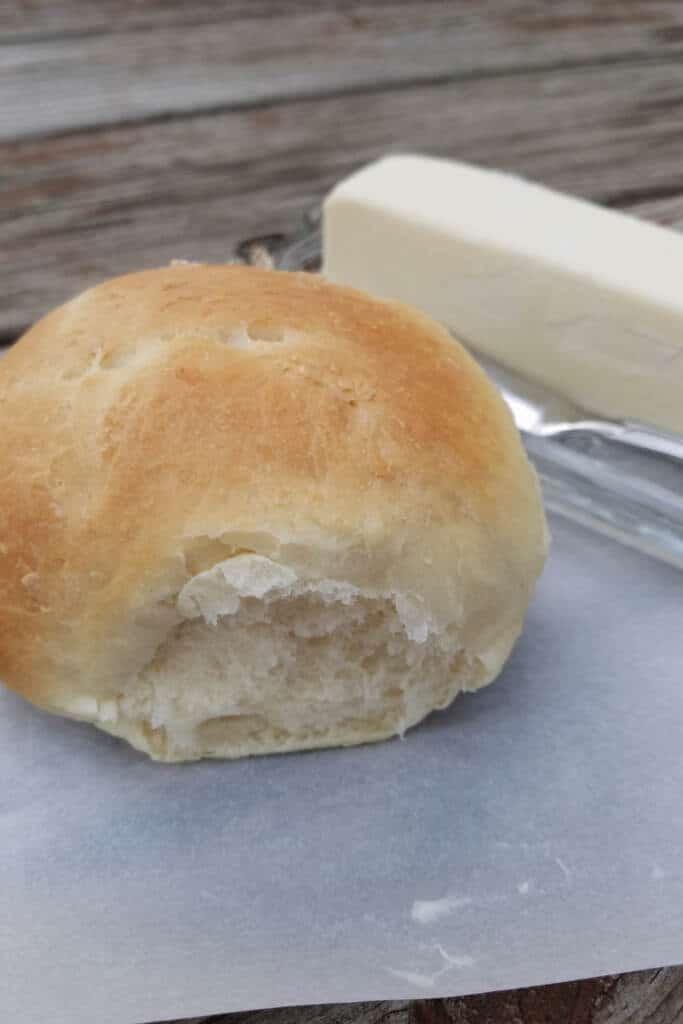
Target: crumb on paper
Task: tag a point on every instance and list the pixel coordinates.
(428, 911)
(450, 963)
(563, 868)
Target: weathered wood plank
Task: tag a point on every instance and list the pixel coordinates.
(83, 206)
(636, 22)
(70, 65)
(647, 997)
(342, 1013)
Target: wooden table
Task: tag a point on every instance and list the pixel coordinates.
(136, 131)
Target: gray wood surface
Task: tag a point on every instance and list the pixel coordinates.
(66, 65)
(80, 206)
(136, 131)
(647, 997)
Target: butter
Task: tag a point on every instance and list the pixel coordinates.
(583, 299)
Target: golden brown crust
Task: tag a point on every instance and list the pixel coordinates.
(138, 417)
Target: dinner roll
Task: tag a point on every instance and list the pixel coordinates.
(247, 511)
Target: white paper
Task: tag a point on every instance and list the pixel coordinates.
(532, 833)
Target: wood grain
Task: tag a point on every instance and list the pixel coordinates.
(647, 997)
(631, 19)
(83, 206)
(70, 65)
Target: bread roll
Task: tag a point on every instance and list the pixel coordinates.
(247, 511)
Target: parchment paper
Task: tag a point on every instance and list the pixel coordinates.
(532, 833)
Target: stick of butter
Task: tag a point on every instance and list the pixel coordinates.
(583, 299)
